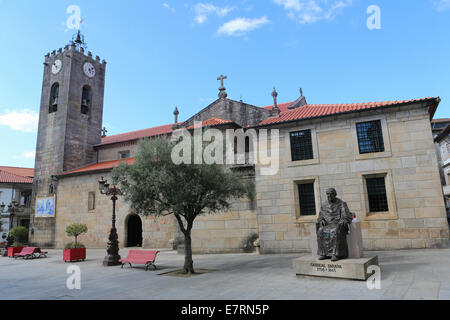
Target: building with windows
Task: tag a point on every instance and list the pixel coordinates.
(379, 156)
(442, 141)
(15, 185)
(438, 125)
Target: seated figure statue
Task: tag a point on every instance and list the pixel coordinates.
(332, 227)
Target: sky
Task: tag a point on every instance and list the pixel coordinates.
(166, 53)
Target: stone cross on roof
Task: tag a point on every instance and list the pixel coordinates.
(221, 78)
(222, 94)
(104, 131)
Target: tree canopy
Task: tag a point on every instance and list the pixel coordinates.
(76, 229)
(155, 185)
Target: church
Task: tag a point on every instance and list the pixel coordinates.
(379, 156)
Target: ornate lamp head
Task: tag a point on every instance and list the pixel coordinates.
(101, 185)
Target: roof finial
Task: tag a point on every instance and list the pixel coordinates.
(222, 91)
(275, 105)
(175, 113)
(104, 131)
(300, 102)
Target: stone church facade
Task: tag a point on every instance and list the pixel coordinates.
(380, 157)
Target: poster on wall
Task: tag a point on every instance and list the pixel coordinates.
(45, 207)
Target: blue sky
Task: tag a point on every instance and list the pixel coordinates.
(167, 53)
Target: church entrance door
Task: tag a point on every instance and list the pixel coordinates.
(134, 231)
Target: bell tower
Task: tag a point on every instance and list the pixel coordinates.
(70, 123)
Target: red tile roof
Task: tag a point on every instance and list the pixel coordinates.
(134, 135)
(212, 122)
(304, 112)
(282, 106)
(319, 110)
(101, 166)
(25, 172)
(8, 177)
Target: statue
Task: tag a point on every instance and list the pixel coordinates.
(332, 227)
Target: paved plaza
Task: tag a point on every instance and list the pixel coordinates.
(405, 274)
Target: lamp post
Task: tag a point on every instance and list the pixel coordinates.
(13, 209)
(112, 258)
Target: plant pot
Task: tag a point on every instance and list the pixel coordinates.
(77, 254)
(14, 250)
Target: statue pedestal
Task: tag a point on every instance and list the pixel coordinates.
(354, 241)
(356, 269)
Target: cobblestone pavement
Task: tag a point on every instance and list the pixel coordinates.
(405, 274)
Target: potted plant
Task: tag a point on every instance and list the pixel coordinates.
(17, 235)
(75, 251)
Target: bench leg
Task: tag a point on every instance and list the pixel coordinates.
(126, 263)
(148, 264)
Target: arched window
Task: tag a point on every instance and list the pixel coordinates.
(54, 94)
(85, 100)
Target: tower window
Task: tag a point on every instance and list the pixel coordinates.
(370, 137)
(54, 94)
(85, 100)
(301, 145)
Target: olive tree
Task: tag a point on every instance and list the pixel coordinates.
(155, 185)
(76, 229)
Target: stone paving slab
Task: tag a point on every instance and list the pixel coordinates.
(405, 274)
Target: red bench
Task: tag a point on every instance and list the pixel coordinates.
(146, 257)
(30, 253)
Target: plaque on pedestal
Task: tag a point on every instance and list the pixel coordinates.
(356, 269)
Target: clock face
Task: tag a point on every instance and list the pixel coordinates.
(56, 67)
(89, 69)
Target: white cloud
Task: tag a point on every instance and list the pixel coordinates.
(240, 26)
(203, 10)
(29, 154)
(24, 120)
(167, 6)
(310, 11)
(442, 5)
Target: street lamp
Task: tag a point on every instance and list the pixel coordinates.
(13, 209)
(112, 258)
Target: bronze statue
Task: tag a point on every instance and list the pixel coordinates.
(332, 227)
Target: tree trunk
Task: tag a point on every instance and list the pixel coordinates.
(188, 263)
(75, 241)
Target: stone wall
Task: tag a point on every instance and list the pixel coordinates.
(112, 152)
(72, 206)
(224, 232)
(416, 217)
(239, 112)
(227, 232)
